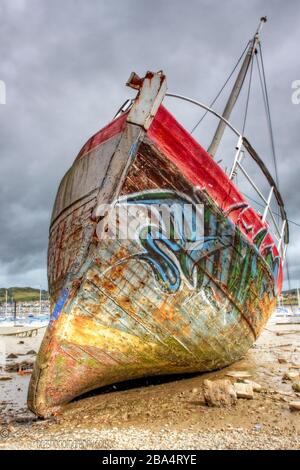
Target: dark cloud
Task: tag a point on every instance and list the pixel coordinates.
(65, 65)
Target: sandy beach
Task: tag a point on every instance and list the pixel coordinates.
(162, 413)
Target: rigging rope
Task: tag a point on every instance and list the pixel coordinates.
(217, 96)
(267, 103)
(263, 82)
(263, 205)
(262, 77)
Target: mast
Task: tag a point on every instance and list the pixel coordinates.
(212, 149)
(15, 310)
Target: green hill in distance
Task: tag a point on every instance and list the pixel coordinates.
(22, 294)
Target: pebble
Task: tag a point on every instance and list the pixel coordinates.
(296, 387)
(255, 386)
(290, 375)
(294, 405)
(219, 392)
(282, 360)
(243, 390)
(239, 374)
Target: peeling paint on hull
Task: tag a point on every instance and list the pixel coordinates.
(113, 316)
(119, 325)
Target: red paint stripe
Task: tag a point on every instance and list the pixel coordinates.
(107, 132)
(201, 170)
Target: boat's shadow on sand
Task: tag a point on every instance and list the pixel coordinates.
(137, 384)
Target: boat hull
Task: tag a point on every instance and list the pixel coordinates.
(188, 286)
(128, 308)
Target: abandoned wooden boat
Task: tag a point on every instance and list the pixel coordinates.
(128, 307)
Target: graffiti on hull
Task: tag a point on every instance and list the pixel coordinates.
(186, 253)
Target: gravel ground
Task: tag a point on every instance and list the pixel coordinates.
(134, 438)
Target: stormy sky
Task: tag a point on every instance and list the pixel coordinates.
(65, 64)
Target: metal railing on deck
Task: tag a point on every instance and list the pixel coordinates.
(281, 230)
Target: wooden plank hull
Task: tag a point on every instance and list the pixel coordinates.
(126, 309)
